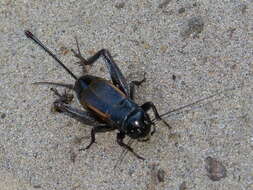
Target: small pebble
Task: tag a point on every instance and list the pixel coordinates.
(181, 10)
(3, 115)
(37, 186)
(73, 156)
(160, 175)
(164, 4)
(120, 5)
(195, 26)
(215, 169)
(183, 186)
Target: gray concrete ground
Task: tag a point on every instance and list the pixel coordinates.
(206, 45)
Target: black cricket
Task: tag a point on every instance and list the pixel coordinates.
(109, 105)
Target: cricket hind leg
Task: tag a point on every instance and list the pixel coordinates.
(133, 84)
(82, 61)
(116, 75)
(62, 105)
(84, 117)
(64, 98)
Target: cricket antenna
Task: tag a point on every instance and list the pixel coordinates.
(123, 154)
(37, 41)
(196, 102)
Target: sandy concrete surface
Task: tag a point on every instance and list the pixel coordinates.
(189, 50)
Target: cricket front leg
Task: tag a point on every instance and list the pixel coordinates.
(150, 105)
(120, 137)
(97, 129)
